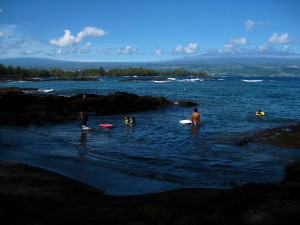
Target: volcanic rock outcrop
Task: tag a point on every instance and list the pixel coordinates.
(19, 108)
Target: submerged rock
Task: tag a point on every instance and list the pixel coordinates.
(187, 104)
(279, 136)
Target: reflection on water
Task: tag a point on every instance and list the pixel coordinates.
(83, 137)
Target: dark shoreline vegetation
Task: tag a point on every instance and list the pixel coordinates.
(13, 73)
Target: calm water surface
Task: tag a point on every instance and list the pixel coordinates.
(159, 153)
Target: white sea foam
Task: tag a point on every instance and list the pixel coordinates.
(45, 90)
(161, 81)
(176, 80)
(252, 81)
(18, 81)
(191, 80)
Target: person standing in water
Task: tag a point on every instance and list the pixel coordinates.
(83, 110)
(195, 118)
(132, 120)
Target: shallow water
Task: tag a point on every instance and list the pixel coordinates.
(159, 153)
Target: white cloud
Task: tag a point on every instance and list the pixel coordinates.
(85, 49)
(233, 45)
(158, 51)
(227, 48)
(105, 51)
(30, 52)
(279, 39)
(263, 47)
(66, 40)
(69, 39)
(128, 50)
(58, 51)
(238, 41)
(250, 24)
(286, 48)
(190, 49)
(1, 34)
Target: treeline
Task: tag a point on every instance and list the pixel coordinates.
(10, 72)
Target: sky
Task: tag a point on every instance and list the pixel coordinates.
(147, 30)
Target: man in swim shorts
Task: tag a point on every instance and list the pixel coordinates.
(195, 117)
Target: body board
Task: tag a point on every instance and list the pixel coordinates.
(86, 128)
(105, 125)
(185, 121)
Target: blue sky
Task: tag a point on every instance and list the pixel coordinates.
(144, 30)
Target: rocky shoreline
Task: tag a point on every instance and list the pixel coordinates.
(287, 136)
(30, 195)
(20, 108)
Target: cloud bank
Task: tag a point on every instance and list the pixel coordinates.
(128, 50)
(279, 39)
(192, 48)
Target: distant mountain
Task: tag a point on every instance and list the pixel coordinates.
(240, 64)
(214, 64)
(255, 59)
(239, 58)
(42, 63)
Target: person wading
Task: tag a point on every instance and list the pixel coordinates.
(195, 117)
(83, 110)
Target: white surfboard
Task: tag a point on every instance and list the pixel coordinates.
(185, 121)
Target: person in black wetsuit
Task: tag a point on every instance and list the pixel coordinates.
(83, 110)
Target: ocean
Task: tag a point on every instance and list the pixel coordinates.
(158, 153)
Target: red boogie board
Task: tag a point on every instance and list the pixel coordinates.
(105, 125)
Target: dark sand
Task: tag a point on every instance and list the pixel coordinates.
(30, 195)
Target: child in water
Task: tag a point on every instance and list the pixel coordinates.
(127, 120)
(132, 120)
(259, 113)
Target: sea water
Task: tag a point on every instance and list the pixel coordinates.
(158, 153)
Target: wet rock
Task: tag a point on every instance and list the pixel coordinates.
(187, 104)
(280, 136)
(19, 108)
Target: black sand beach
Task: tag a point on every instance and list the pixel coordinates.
(30, 195)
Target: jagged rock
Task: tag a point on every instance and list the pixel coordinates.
(18, 108)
